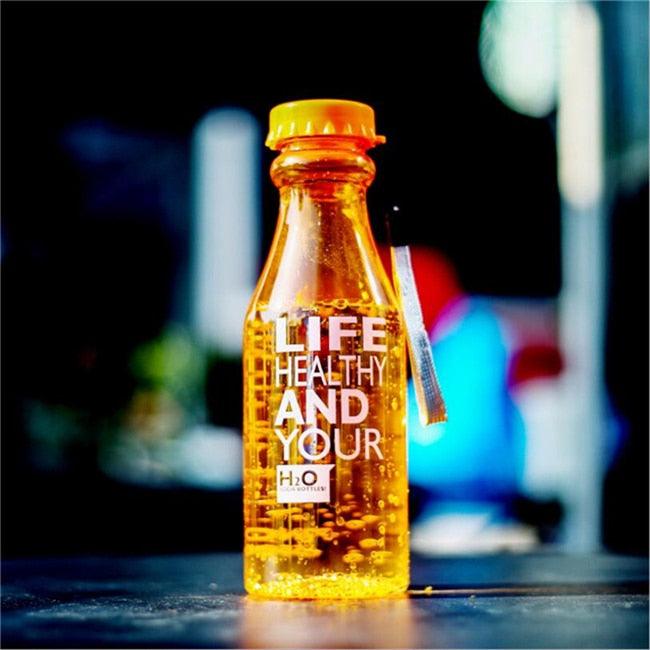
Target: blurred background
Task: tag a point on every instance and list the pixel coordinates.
(137, 211)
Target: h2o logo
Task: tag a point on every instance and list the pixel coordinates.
(303, 483)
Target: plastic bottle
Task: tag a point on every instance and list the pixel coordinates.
(325, 479)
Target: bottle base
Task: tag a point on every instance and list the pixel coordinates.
(329, 586)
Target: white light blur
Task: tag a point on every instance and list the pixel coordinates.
(580, 128)
(478, 531)
(518, 53)
(584, 259)
(226, 160)
(536, 56)
(208, 457)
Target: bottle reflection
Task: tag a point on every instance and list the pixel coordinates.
(386, 623)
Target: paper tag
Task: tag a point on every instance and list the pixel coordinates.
(431, 405)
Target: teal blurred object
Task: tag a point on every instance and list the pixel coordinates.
(479, 453)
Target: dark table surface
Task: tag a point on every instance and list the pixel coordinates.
(502, 601)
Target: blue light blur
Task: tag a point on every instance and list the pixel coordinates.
(478, 454)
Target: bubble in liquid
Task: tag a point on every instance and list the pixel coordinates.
(327, 534)
(380, 557)
(353, 558)
(308, 553)
(277, 513)
(368, 543)
(370, 519)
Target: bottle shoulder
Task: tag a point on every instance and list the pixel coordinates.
(323, 252)
(361, 287)
(263, 311)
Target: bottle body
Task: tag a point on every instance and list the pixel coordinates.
(325, 477)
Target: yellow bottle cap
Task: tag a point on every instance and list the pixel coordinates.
(319, 117)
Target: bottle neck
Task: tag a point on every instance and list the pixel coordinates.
(327, 162)
(322, 183)
(323, 248)
(324, 177)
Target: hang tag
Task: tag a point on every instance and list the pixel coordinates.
(431, 404)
